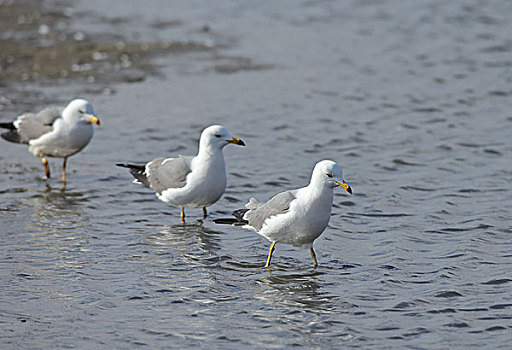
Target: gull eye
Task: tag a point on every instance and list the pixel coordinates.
(330, 175)
(82, 111)
(218, 136)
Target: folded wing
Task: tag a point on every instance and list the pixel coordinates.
(259, 212)
(163, 174)
(31, 126)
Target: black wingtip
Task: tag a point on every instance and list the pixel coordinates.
(225, 221)
(238, 219)
(132, 166)
(12, 136)
(138, 172)
(230, 221)
(239, 215)
(9, 126)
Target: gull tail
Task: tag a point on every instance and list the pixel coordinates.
(238, 219)
(138, 172)
(11, 135)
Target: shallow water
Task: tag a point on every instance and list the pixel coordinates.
(412, 99)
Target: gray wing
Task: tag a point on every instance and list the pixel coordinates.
(163, 174)
(259, 212)
(30, 126)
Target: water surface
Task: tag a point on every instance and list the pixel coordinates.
(412, 99)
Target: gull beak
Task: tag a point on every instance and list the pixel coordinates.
(93, 119)
(236, 141)
(345, 186)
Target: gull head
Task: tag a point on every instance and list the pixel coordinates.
(217, 136)
(80, 110)
(328, 173)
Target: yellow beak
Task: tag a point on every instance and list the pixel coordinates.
(93, 119)
(345, 186)
(236, 141)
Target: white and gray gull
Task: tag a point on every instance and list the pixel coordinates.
(193, 182)
(54, 132)
(295, 217)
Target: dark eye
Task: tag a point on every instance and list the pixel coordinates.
(82, 111)
(330, 175)
(218, 136)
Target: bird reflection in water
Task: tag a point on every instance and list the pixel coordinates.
(292, 295)
(190, 241)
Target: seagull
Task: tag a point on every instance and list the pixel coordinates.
(191, 182)
(295, 217)
(54, 132)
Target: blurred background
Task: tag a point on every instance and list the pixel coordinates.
(412, 99)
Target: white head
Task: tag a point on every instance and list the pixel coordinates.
(328, 173)
(80, 110)
(217, 137)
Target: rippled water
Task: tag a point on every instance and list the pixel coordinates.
(412, 99)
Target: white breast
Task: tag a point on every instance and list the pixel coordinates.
(307, 218)
(205, 184)
(64, 141)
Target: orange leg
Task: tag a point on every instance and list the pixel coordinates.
(313, 255)
(64, 170)
(205, 213)
(182, 215)
(46, 167)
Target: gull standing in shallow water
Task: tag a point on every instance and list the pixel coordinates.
(193, 182)
(295, 217)
(54, 132)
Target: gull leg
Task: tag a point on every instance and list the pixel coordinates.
(205, 213)
(270, 251)
(64, 170)
(313, 255)
(182, 215)
(46, 167)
